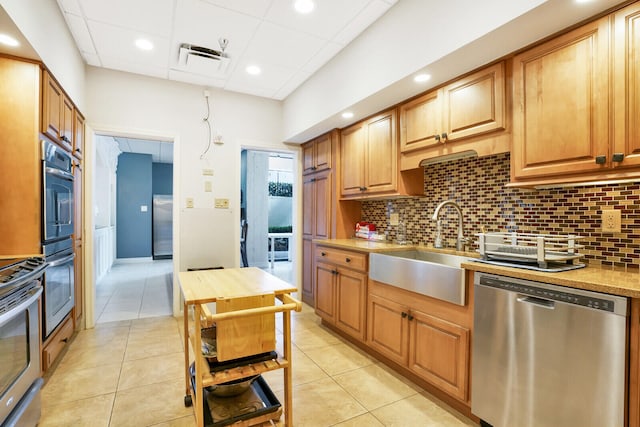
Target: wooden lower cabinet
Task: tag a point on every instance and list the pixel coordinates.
(410, 330)
(56, 343)
(340, 293)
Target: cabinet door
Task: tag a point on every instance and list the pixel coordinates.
(627, 86)
(381, 167)
(421, 122)
(353, 149)
(387, 328)
(439, 353)
(307, 272)
(561, 104)
(322, 205)
(322, 153)
(68, 118)
(351, 288)
(78, 135)
(325, 283)
(475, 104)
(52, 96)
(308, 206)
(308, 158)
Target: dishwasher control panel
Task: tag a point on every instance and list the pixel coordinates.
(589, 299)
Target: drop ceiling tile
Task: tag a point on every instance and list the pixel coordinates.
(70, 6)
(80, 33)
(272, 77)
(328, 51)
(118, 44)
(148, 16)
(295, 81)
(197, 79)
(257, 8)
(135, 68)
(374, 10)
(278, 45)
(91, 59)
(327, 19)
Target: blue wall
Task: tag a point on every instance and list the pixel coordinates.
(134, 189)
(162, 178)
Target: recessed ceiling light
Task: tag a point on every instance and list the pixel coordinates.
(347, 115)
(254, 70)
(8, 40)
(420, 78)
(144, 44)
(304, 6)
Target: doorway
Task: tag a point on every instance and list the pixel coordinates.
(133, 274)
(267, 209)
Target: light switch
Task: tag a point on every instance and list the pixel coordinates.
(222, 203)
(189, 202)
(143, 208)
(207, 172)
(207, 186)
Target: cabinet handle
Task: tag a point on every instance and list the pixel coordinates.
(410, 318)
(323, 254)
(618, 157)
(347, 259)
(601, 160)
(312, 180)
(404, 314)
(437, 137)
(335, 272)
(314, 168)
(444, 137)
(363, 188)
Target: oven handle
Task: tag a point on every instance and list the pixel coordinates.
(59, 172)
(61, 261)
(35, 294)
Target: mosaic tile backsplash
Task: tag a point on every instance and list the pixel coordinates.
(478, 186)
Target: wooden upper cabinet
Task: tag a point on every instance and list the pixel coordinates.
(561, 98)
(353, 142)
(57, 121)
(78, 134)
(316, 154)
(627, 87)
(381, 158)
(470, 106)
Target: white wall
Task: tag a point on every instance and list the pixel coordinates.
(42, 24)
(128, 104)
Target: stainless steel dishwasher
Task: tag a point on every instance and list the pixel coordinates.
(546, 355)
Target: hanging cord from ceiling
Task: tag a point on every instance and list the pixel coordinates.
(208, 122)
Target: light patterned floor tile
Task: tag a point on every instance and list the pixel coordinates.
(91, 412)
(151, 370)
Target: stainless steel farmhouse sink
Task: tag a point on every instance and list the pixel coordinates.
(434, 274)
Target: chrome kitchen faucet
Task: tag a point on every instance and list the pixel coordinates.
(461, 240)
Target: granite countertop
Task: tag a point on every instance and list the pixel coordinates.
(608, 280)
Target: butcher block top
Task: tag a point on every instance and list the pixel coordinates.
(204, 286)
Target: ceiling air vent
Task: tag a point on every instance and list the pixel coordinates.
(202, 60)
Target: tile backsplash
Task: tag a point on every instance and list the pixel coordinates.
(478, 186)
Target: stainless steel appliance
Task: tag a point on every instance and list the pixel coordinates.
(162, 226)
(58, 284)
(57, 201)
(20, 382)
(547, 356)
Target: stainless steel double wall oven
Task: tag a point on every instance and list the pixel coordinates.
(57, 230)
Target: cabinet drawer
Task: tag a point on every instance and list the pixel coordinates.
(354, 260)
(57, 343)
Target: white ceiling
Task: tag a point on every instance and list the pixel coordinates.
(287, 46)
(161, 152)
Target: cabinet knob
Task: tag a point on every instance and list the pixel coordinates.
(314, 168)
(404, 314)
(601, 160)
(437, 137)
(410, 318)
(335, 272)
(363, 188)
(323, 254)
(312, 180)
(618, 157)
(444, 137)
(347, 259)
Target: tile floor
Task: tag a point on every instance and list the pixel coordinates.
(131, 373)
(135, 290)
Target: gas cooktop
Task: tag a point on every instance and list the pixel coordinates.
(16, 271)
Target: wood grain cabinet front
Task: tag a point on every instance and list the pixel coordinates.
(341, 289)
(316, 154)
(57, 120)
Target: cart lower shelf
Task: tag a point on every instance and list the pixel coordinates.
(255, 406)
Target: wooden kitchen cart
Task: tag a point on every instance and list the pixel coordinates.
(240, 295)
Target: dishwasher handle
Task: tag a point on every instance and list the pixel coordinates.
(540, 302)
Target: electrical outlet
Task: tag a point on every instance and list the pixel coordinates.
(611, 221)
(222, 203)
(189, 202)
(207, 172)
(394, 219)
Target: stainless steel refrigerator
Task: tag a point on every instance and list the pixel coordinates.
(162, 226)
